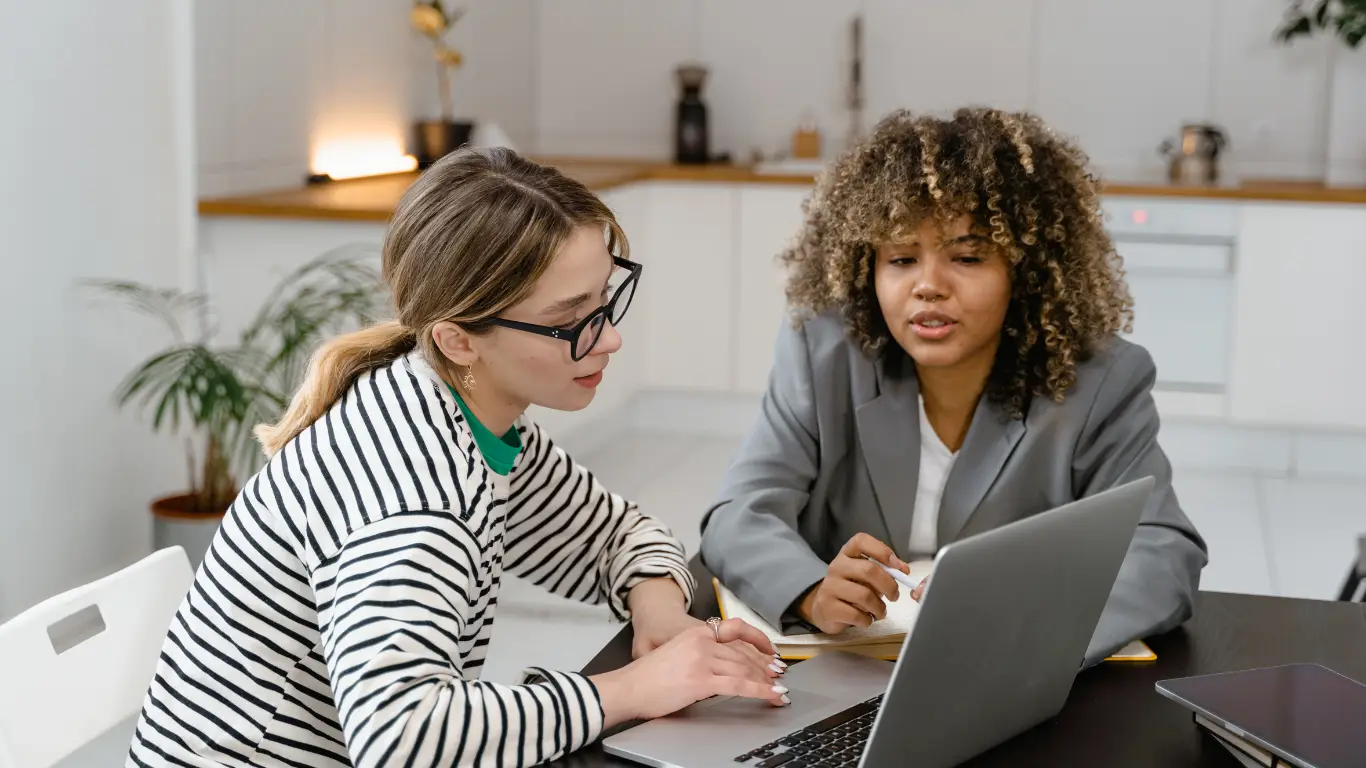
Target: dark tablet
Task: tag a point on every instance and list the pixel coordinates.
(1306, 714)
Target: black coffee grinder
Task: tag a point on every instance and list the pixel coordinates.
(690, 133)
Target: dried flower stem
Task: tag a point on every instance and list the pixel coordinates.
(443, 87)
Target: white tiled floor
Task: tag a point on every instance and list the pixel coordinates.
(1312, 527)
(1267, 535)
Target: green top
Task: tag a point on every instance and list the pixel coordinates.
(500, 453)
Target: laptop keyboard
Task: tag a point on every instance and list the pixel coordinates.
(837, 740)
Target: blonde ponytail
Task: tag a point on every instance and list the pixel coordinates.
(331, 371)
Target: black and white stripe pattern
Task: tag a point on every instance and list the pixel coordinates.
(343, 613)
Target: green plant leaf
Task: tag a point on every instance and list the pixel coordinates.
(221, 394)
(1299, 26)
(166, 304)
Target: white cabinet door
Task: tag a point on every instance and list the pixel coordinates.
(1183, 296)
(770, 215)
(1179, 261)
(687, 289)
(1299, 356)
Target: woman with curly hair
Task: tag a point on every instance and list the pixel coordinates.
(955, 365)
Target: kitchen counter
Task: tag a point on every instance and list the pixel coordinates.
(374, 198)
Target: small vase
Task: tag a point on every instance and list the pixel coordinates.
(176, 523)
(438, 138)
(1347, 119)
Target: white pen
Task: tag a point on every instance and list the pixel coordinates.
(898, 575)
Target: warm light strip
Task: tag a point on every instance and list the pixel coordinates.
(353, 158)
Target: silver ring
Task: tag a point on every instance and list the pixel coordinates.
(715, 624)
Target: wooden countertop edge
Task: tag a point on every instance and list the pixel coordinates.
(246, 207)
(606, 175)
(1271, 192)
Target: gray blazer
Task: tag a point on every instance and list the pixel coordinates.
(836, 452)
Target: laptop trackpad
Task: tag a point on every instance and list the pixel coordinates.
(752, 712)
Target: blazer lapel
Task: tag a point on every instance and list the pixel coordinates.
(889, 434)
(991, 439)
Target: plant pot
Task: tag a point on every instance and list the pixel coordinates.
(1347, 120)
(438, 138)
(176, 523)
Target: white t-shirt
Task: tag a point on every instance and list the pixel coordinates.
(935, 462)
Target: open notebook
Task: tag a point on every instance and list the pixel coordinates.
(882, 640)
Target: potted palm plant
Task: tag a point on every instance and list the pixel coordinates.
(213, 395)
(1346, 18)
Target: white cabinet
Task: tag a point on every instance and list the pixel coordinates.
(1183, 322)
(770, 215)
(1298, 355)
(1179, 264)
(688, 286)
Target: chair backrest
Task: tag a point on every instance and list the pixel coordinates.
(79, 663)
(1354, 588)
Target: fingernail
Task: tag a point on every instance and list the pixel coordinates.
(776, 668)
(779, 689)
(781, 663)
(786, 700)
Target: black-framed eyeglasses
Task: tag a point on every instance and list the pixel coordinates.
(585, 334)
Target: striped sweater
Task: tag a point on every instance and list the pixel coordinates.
(342, 614)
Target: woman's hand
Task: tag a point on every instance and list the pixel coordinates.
(655, 627)
(691, 667)
(658, 616)
(851, 593)
(918, 593)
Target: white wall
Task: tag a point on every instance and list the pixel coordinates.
(1120, 76)
(279, 82)
(96, 154)
(595, 77)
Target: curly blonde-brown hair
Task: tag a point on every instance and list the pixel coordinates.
(1027, 188)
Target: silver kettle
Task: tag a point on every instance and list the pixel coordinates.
(1195, 158)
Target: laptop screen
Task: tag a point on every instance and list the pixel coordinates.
(1303, 711)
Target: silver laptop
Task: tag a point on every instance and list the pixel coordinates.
(1002, 632)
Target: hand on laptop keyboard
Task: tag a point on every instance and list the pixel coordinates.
(689, 668)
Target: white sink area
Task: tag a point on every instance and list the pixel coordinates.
(791, 166)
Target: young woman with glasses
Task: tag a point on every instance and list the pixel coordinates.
(343, 613)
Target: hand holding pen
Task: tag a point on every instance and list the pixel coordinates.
(856, 581)
(917, 587)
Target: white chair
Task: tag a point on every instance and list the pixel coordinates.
(78, 664)
(1356, 576)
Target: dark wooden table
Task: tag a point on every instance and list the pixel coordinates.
(1114, 717)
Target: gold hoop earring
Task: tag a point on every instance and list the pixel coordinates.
(467, 381)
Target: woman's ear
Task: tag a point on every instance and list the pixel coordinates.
(454, 343)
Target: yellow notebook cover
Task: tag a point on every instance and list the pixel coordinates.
(881, 640)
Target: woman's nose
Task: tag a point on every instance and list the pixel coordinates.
(608, 342)
(930, 284)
